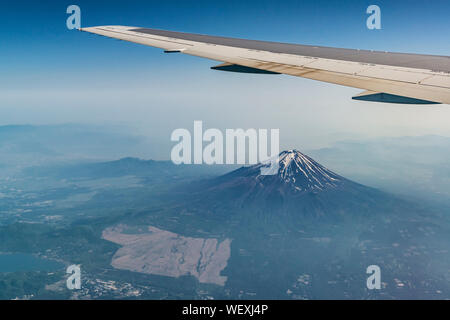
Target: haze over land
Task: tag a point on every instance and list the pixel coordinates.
(308, 232)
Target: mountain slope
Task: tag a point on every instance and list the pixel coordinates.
(302, 188)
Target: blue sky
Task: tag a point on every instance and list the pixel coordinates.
(52, 75)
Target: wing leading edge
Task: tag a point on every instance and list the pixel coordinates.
(385, 76)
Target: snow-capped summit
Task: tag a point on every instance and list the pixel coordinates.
(297, 174)
(303, 173)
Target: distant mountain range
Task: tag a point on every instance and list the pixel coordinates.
(411, 166)
(29, 145)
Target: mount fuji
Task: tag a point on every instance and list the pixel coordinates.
(302, 188)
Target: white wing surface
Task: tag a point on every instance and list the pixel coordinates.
(385, 76)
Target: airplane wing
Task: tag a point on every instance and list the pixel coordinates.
(385, 76)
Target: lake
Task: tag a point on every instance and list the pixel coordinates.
(21, 262)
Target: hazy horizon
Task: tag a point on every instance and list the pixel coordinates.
(75, 77)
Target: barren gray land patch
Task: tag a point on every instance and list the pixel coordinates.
(159, 252)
